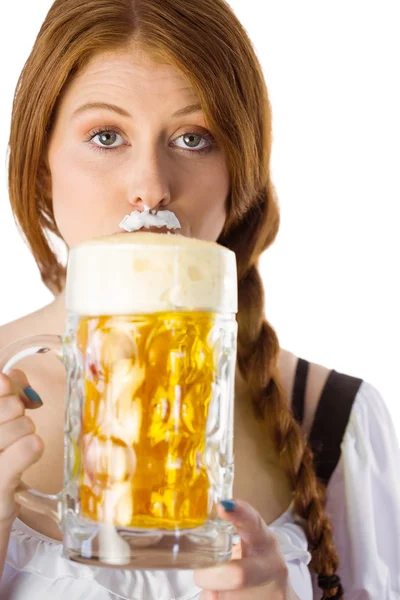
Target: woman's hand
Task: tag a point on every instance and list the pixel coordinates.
(261, 572)
(20, 447)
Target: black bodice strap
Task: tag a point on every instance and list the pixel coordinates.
(331, 417)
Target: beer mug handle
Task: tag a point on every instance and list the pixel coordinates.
(45, 504)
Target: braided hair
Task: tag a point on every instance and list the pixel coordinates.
(257, 358)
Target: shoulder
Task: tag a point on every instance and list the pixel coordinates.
(371, 442)
(335, 410)
(10, 332)
(321, 390)
(370, 422)
(35, 323)
(304, 378)
(343, 401)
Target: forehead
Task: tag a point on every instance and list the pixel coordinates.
(132, 75)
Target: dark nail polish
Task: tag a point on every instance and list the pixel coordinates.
(32, 395)
(228, 505)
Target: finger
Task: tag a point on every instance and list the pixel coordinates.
(15, 459)
(13, 382)
(13, 430)
(255, 536)
(6, 386)
(16, 383)
(11, 407)
(252, 571)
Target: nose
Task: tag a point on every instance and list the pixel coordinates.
(149, 184)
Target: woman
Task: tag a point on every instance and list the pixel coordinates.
(124, 104)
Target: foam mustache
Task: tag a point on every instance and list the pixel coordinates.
(136, 220)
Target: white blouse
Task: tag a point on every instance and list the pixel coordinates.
(363, 503)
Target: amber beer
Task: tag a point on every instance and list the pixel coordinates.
(148, 384)
(155, 349)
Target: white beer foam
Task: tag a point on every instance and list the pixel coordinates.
(142, 273)
(136, 219)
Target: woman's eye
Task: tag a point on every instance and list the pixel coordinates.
(195, 141)
(108, 139)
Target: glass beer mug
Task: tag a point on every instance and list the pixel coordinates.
(149, 351)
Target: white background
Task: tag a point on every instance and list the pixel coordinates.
(331, 279)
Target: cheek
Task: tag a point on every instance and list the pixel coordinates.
(81, 196)
(209, 212)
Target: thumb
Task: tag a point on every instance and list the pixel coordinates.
(255, 536)
(21, 387)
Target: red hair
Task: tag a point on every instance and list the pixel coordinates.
(207, 43)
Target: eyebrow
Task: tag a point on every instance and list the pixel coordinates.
(188, 110)
(90, 106)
